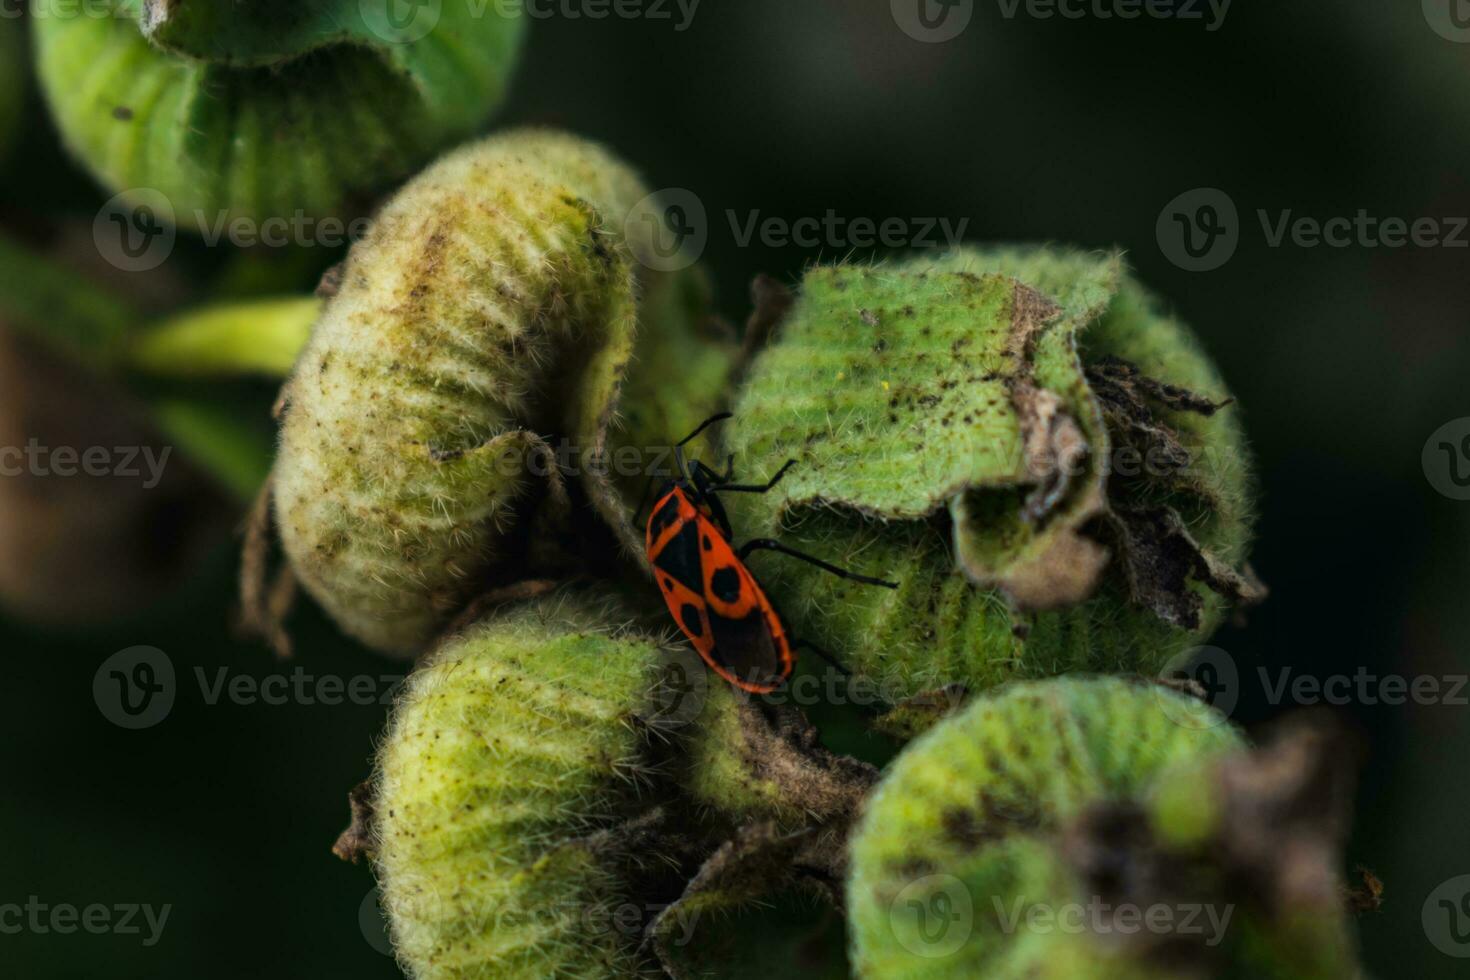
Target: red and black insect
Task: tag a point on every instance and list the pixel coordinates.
(711, 593)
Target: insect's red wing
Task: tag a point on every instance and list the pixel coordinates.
(714, 599)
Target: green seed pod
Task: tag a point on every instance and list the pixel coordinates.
(494, 303)
(1026, 836)
(266, 109)
(968, 427)
(558, 796)
(513, 757)
(744, 768)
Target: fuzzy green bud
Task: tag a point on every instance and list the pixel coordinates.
(1038, 834)
(266, 109)
(514, 755)
(492, 308)
(1040, 458)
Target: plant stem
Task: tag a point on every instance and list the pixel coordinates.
(252, 337)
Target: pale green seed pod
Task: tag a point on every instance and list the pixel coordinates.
(967, 426)
(267, 109)
(740, 766)
(492, 309)
(1029, 835)
(514, 755)
(560, 794)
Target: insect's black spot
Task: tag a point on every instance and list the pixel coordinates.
(689, 614)
(708, 544)
(668, 585)
(725, 584)
(664, 517)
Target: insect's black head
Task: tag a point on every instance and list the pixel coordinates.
(677, 483)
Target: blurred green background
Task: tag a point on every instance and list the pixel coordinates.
(1076, 131)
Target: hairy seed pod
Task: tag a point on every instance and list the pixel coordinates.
(266, 109)
(492, 309)
(1040, 834)
(513, 758)
(1038, 456)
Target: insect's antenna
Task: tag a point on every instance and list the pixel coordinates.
(704, 425)
(831, 660)
(647, 491)
(680, 462)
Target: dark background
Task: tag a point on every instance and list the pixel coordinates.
(1079, 132)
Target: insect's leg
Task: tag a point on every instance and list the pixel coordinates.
(755, 488)
(706, 478)
(643, 500)
(702, 426)
(808, 645)
(702, 476)
(766, 544)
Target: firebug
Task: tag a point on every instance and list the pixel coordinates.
(715, 600)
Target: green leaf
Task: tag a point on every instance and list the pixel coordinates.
(216, 438)
(62, 308)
